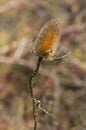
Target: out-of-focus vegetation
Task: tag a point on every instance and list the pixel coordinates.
(60, 87)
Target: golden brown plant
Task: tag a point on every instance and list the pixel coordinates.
(46, 46)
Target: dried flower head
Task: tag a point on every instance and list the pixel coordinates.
(47, 42)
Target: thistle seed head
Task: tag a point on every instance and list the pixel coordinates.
(47, 41)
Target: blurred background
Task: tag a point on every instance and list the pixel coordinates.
(60, 86)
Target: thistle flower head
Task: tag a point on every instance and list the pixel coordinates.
(47, 44)
(47, 41)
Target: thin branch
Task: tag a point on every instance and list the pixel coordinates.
(31, 90)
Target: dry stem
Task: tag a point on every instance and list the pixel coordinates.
(31, 90)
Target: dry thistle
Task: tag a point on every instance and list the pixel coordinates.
(47, 41)
(46, 46)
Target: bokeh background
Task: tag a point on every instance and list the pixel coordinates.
(60, 86)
